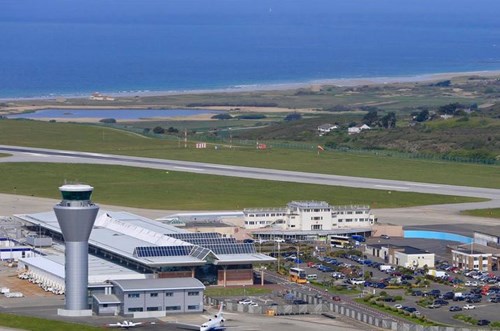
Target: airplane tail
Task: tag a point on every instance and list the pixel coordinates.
(219, 313)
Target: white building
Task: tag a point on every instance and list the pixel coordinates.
(326, 128)
(404, 256)
(358, 129)
(309, 215)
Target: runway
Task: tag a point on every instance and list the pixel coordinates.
(28, 154)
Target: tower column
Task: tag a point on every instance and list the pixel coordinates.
(76, 216)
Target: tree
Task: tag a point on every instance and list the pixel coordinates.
(159, 130)
(224, 116)
(371, 118)
(108, 120)
(172, 130)
(422, 116)
(293, 117)
(389, 120)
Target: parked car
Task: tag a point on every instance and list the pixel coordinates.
(299, 302)
(384, 236)
(469, 307)
(434, 306)
(455, 308)
(246, 302)
(398, 306)
(441, 302)
(410, 309)
(483, 322)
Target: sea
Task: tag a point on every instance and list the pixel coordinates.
(73, 48)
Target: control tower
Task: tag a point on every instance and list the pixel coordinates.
(76, 216)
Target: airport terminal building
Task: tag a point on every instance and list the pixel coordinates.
(158, 250)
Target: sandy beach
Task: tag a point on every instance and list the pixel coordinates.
(20, 105)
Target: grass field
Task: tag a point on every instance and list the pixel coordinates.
(99, 139)
(491, 212)
(168, 190)
(40, 324)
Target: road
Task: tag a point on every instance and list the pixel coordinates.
(28, 154)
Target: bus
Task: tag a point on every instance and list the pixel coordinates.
(298, 275)
(339, 241)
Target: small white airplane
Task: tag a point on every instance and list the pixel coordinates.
(216, 323)
(124, 324)
(213, 324)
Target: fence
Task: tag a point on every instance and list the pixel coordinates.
(317, 305)
(225, 140)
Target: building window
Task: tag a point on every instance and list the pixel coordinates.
(169, 294)
(132, 309)
(170, 308)
(193, 293)
(153, 295)
(316, 227)
(194, 307)
(105, 305)
(317, 218)
(133, 295)
(153, 308)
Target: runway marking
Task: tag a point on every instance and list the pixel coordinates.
(36, 154)
(189, 169)
(221, 166)
(96, 154)
(393, 187)
(423, 185)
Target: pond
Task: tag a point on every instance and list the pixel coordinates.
(118, 114)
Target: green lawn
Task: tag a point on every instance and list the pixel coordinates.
(491, 212)
(159, 189)
(40, 324)
(99, 139)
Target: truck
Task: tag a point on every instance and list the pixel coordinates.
(385, 267)
(437, 273)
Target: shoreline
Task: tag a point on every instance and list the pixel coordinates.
(340, 82)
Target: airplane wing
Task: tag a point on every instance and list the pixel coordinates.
(134, 324)
(114, 325)
(187, 326)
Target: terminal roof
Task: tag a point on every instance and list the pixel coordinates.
(159, 284)
(147, 242)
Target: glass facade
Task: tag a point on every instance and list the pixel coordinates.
(70, 195)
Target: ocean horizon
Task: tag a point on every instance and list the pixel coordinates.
(125, 47)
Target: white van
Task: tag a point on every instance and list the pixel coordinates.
(312, 277)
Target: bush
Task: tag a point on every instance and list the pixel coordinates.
(108, 120)
(251, 117)
(159, 130)
(222, 117)
(293, 117)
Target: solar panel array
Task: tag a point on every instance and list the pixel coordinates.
(199, 252)
(187, 236)
(236, 248)
(153, 251)
(202, 244)
(212, 241)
